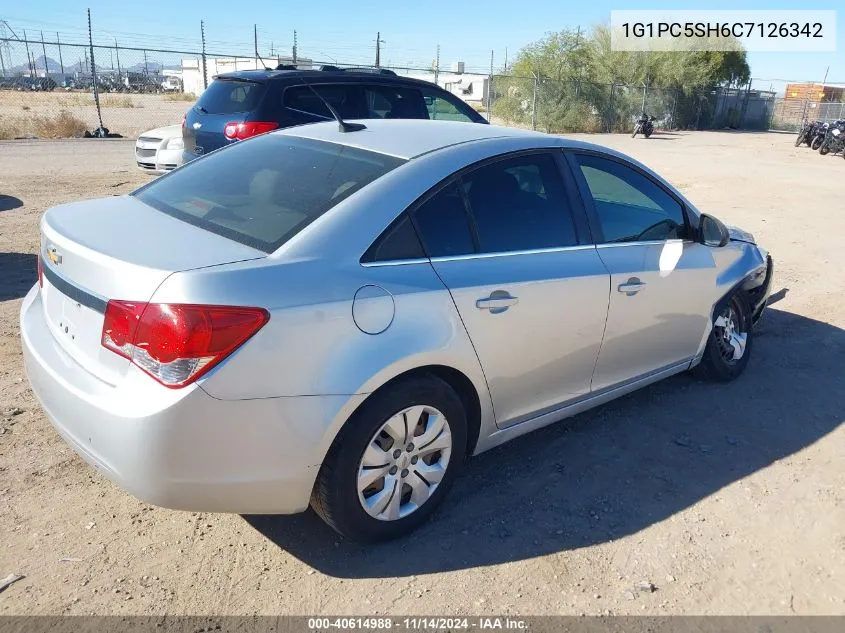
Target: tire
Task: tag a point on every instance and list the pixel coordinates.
(824, 149)
(714, 365)
(647, 134)
(636, 130)
(816, 143)
(336, 497)
(801, 137)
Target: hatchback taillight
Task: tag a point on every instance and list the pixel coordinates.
(177, 343)
(240, 131)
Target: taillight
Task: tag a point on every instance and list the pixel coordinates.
(239, 131)
(40, 272)
(177, 343)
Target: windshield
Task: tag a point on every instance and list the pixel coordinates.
(264, 191)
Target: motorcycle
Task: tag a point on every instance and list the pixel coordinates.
(834, 140)
(807, 133)
(818, 136)
(644, 126)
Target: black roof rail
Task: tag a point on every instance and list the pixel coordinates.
(375, 71)
(329, 68)
(286, 67)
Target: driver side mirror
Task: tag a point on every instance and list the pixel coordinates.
(711, 232)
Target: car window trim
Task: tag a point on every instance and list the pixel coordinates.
(589, 204)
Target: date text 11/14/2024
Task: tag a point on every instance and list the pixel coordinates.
(416, 624)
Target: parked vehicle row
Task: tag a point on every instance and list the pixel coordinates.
(25, 84)
(826, 137)
(236, 106)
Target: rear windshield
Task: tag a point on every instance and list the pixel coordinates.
(263, 191)
(226, 96)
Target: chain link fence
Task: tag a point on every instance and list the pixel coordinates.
(790, 114)
(53, 89)
(579, 106)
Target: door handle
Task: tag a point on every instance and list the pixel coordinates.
(631, 287)
(497, 302)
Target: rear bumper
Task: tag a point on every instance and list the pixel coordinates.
(181, 448)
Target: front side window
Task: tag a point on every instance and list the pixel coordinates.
(441, 108)
(630, 206)
(263, 191)
(520, 204)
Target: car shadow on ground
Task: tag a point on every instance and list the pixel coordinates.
(19, 272)
(613, 471)
(7, 203)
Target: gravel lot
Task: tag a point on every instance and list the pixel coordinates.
(129, 115)
(730, 499)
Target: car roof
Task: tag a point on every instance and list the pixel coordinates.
(323, 76)
(409, 138)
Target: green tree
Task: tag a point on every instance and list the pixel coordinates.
(581, 80)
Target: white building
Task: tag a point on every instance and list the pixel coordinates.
(470, 88)
(192, 78)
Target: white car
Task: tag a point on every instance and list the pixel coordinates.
(160, 150)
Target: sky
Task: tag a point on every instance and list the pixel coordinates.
(342, 31)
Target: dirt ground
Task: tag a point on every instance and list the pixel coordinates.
(129, 115)
(729, 499)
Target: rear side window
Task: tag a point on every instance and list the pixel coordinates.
(442, 221)
(226, 96)
(341, 97)
(399, 241)
(520, 204)
(263, 191)
(388, 102)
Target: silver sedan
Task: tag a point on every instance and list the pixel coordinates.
(343, 318)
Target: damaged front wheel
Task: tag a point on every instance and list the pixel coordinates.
(729, 345)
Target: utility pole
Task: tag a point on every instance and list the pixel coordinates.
(506, 59)
(59, 44)
(204, 69)
(437, 65)
(28, 60)
(146, 68)
(117, 54)
(294, 47)
(490, 87)
(379, 42)
(44, 52)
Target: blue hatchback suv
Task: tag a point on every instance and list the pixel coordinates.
(241, 104)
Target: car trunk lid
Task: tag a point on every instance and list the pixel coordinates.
(115, 248)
